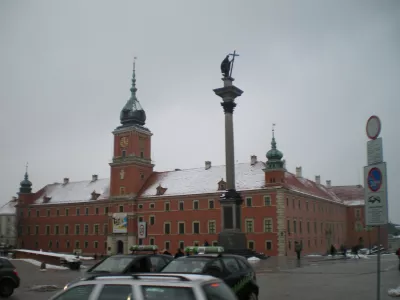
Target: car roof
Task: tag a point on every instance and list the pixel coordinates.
(152, 278)
(138, 254)
(209, 256)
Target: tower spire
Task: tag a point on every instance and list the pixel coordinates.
(273, 142)
(274, 156)
(132, 113)
(133, 88)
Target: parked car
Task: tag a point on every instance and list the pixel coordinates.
(148, 286)
(234, 270)
(144, 259)
(9, 279)
(74, 263)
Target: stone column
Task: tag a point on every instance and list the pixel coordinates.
(231, 237)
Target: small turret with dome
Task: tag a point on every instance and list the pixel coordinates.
(132, 113)
(25, 185)
(274, 156)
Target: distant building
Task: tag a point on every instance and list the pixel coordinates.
(180, 208)
(8, 224)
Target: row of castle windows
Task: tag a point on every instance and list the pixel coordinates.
(77, 245)
(66, 212)
(329, 228)
(211, 204)
(325, 208)
(56, 229)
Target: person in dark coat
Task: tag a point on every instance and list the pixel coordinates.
(297, 248)
(333, 250)
(206, 244)
(179, 253)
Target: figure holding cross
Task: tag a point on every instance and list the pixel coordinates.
(227, 65)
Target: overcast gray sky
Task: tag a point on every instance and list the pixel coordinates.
(318, 69)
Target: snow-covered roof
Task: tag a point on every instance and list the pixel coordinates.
(80, 191)
(354, 202)
(308, 187)
(9, 208)
(194, 182)
(203, 181)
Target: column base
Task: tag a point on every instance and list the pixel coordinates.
(232, 241)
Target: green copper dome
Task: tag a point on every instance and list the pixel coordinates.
(25, 185)
(274, 154)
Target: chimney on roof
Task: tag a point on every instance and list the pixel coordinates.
(318, 179)
(208, 164)
(253, 160)
(66, 180)
(328, 183)
(298, 172)
(94, 177)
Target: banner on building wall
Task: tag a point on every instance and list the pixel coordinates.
(120, 223)
(142, 230)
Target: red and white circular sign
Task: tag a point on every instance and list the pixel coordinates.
(373, 127)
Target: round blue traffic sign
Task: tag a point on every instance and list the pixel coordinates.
(374, 179)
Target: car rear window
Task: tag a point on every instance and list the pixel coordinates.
(113, 264)
(7, 263)
(186, 265)
(154, 292)
(218, 291)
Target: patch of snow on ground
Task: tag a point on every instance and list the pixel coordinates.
(359, 256)
(71, 256)
(253, 258)
(38, 263)
(394, 292)
(314, 255)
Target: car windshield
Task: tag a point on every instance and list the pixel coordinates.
(167, 292)
(186, 265)
(113, 264)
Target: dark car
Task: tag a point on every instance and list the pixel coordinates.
(139, 261)
(9, 279)
(233, 269)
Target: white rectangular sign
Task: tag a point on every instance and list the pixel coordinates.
(374, 151)
(142, 230)
(375, 184)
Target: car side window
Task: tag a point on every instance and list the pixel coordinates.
(116, 292)
(242, 265)
(157, 263)
(81, 292)
(140, 265)
(216, 263)
(231, 264)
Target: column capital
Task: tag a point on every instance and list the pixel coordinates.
(228, 106)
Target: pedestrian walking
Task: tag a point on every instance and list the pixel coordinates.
(298, 247)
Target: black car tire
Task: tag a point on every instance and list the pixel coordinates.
(6, 288)
(252, 296)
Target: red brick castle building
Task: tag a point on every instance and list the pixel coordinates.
(137, 205)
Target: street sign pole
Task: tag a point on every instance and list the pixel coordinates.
(378, 269)
(375, 184)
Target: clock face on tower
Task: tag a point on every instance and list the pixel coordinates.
(124, 142)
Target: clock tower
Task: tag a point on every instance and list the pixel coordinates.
(131, 164)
